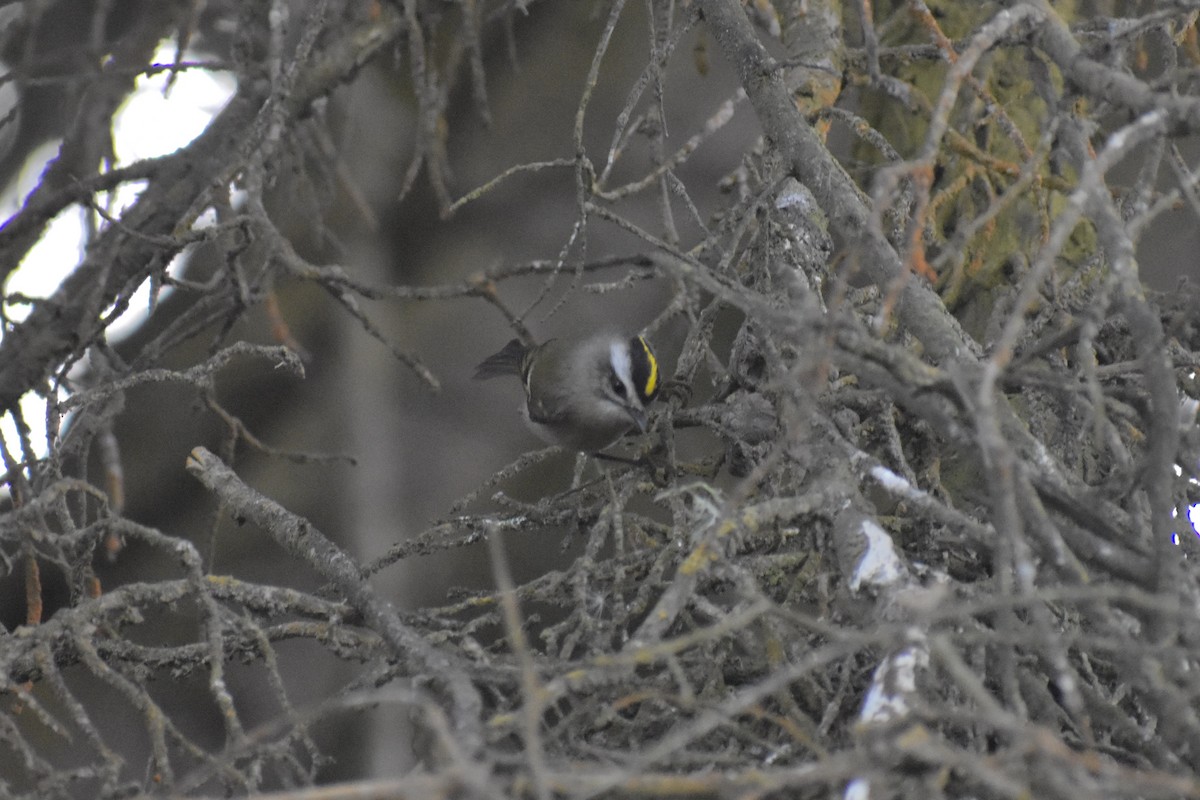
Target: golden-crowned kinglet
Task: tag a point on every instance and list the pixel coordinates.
(581, 393)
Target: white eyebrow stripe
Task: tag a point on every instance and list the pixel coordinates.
(619, 354)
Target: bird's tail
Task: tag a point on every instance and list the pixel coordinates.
(506, 362)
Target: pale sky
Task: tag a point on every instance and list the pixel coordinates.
(150, 124)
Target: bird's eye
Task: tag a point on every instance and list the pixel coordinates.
(617, 386)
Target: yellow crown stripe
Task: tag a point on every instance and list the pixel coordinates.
(652, 381)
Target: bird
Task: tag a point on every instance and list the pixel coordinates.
(584, 392)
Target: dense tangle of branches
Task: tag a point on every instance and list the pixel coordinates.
(920, 542)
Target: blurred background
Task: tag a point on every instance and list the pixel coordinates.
(415, 451)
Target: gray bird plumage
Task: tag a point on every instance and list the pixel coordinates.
(580, 393)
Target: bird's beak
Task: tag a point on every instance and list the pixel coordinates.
(638, 415)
